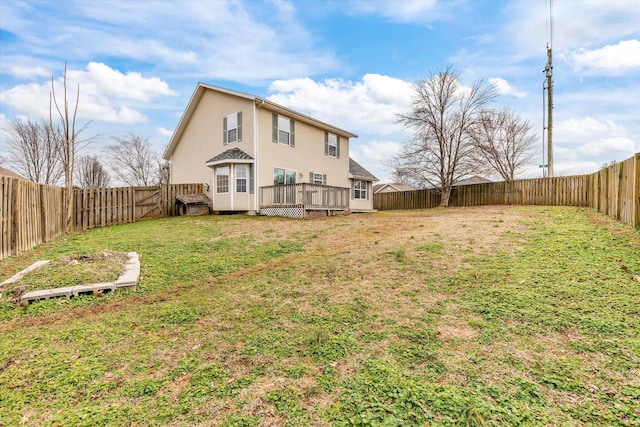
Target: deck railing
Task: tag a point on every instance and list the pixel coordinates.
(307, 196)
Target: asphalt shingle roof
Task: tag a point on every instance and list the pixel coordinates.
(193, 199)
(359, 172)
(231, 154)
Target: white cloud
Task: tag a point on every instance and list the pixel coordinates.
(367, 106)
(417, 12)
(105, 94)
(26, 72)
(618, 59)
(372, 155)
(102, 79)
(587, 129)
(576, 25)
(398, 11)
(504, 88)
(582, 145)
(165, 132)
(379, 150)
(613, 147)
(231, 40)
(566, 161)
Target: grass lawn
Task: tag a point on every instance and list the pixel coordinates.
(460, 316)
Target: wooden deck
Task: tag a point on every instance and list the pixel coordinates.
(305, 196)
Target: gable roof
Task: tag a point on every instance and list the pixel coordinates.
(358, 172)
(259, 102)
(232, 155)
(7, 172)
(475, 179)
(394, 186)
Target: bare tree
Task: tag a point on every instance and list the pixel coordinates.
(90, 173)
(441, 150)
(32, 150)
(67, 140)
(164, 171)
(606, 165)
(504, 141)
(133, 160)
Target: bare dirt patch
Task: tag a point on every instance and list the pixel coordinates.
(69, 271)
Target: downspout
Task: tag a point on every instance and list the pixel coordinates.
(256, 183)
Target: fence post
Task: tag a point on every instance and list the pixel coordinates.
(13, 188)
(636, 191)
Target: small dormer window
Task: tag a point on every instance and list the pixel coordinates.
(232, 128)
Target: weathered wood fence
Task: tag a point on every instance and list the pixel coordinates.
(614, 191)
(31, 213)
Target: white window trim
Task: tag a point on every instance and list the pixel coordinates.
(278, 125)
(358, 191)
(332, 144)
(237, 168)
(217, 191)
(281, 130)
(290, 171)
(315, 178)
(227, 129)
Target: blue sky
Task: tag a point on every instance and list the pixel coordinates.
(349, 63)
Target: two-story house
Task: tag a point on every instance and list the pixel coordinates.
(256, 156)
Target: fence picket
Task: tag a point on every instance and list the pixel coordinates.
(31, 213)
(614, 191)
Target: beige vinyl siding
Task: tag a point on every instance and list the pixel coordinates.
(234, 201)
(306, 156)
(361, 204)
(202, 138)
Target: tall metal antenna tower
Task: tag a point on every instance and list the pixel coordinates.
(548, 70)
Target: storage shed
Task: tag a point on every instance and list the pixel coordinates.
(193, 204)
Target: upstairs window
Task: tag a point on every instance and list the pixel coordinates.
(283, 130)
(232, 128)
(331, 145)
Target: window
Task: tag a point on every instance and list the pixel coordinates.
(360, 189)
(222, 179)
(232, 128)
(318, 178)
(241, 178)
(283, 130)
(282, 176)
(331, 145)
(278, 176)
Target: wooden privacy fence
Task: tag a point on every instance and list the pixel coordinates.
(614, 190)
(33, 213)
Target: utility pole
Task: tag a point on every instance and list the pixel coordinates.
(549, 72)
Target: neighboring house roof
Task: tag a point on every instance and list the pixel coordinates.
(476, 179)
(7, 172)
(193, 199)
(233, 155)
(394, 186)
(259, 102)
(358, 172)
